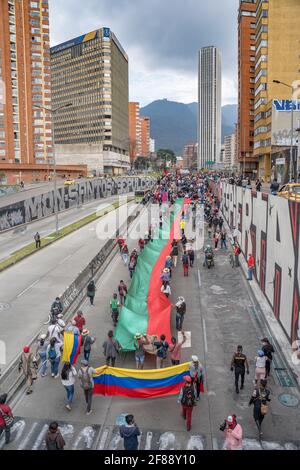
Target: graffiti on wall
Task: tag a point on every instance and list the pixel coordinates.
(269, 228)
(43, 205)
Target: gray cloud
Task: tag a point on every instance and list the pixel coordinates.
(158, 35)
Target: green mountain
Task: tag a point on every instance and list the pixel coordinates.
(175, 124)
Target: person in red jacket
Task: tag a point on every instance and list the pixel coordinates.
(80, 321)
(5, 416)
(250, 263)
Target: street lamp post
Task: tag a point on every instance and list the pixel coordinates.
(53, 112)
(292, 131)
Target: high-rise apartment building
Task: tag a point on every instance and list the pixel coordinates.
(135, 132)
(248, 163)
(145, 136)
(277, 58)
(190, 155)
(25, 130)
(91, 73)
(209, 107)
(229, 151)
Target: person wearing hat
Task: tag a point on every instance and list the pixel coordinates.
(197, 375)
(41, 352)
(165, 275)
(139, 343)
(234, 434)
(260, 365)
(187, 400)
(87, 344)
(268, 349)
(85, 375)
(259, 398)
(56, 330)
(28, 366)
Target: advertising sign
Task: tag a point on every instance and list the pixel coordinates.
(281, 122)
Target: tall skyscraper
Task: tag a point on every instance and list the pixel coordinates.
(246, 70)
(91, 73)
(209, 107)
(135, 133)
(277, 58)
(25, 131)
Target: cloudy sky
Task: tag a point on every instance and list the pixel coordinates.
(161, 38)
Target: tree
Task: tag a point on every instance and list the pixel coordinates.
(142, 163)
(166, 155)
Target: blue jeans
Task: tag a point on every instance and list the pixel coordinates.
(70, 393)
(223, 243)
(54, 366)
(86, 355)
(250, 273)
(43, 357)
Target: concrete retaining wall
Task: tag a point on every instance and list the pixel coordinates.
(43, 205)
(269, 228)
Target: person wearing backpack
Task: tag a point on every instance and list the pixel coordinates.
(185, 263)
(6, 418)
(87, 344)
(161, 351)
(260, 397)
(85, 374)
(54, 439)
(54, 354)
(187, 400)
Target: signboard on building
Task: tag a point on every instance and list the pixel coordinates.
(280, 161)
(281, 122)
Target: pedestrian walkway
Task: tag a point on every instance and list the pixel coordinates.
(29, 434)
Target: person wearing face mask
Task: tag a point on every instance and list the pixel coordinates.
(233, 434)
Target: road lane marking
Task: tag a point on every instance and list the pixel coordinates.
(25, 441)
(28, 288)
(199, 278)
(65, 259)
(103, 439)
(40, 438)
(204, 335)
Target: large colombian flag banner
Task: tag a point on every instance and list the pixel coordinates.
(112, 381)
(147, 310)
(72, 346)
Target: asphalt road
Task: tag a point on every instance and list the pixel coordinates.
(16, 239)
(219, 316)
(29, 287)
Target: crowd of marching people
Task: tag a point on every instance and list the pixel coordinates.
(47, 353)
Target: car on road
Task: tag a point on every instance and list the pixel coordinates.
(69, 182)
(290, 191)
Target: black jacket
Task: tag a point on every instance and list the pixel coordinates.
(130, 435)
